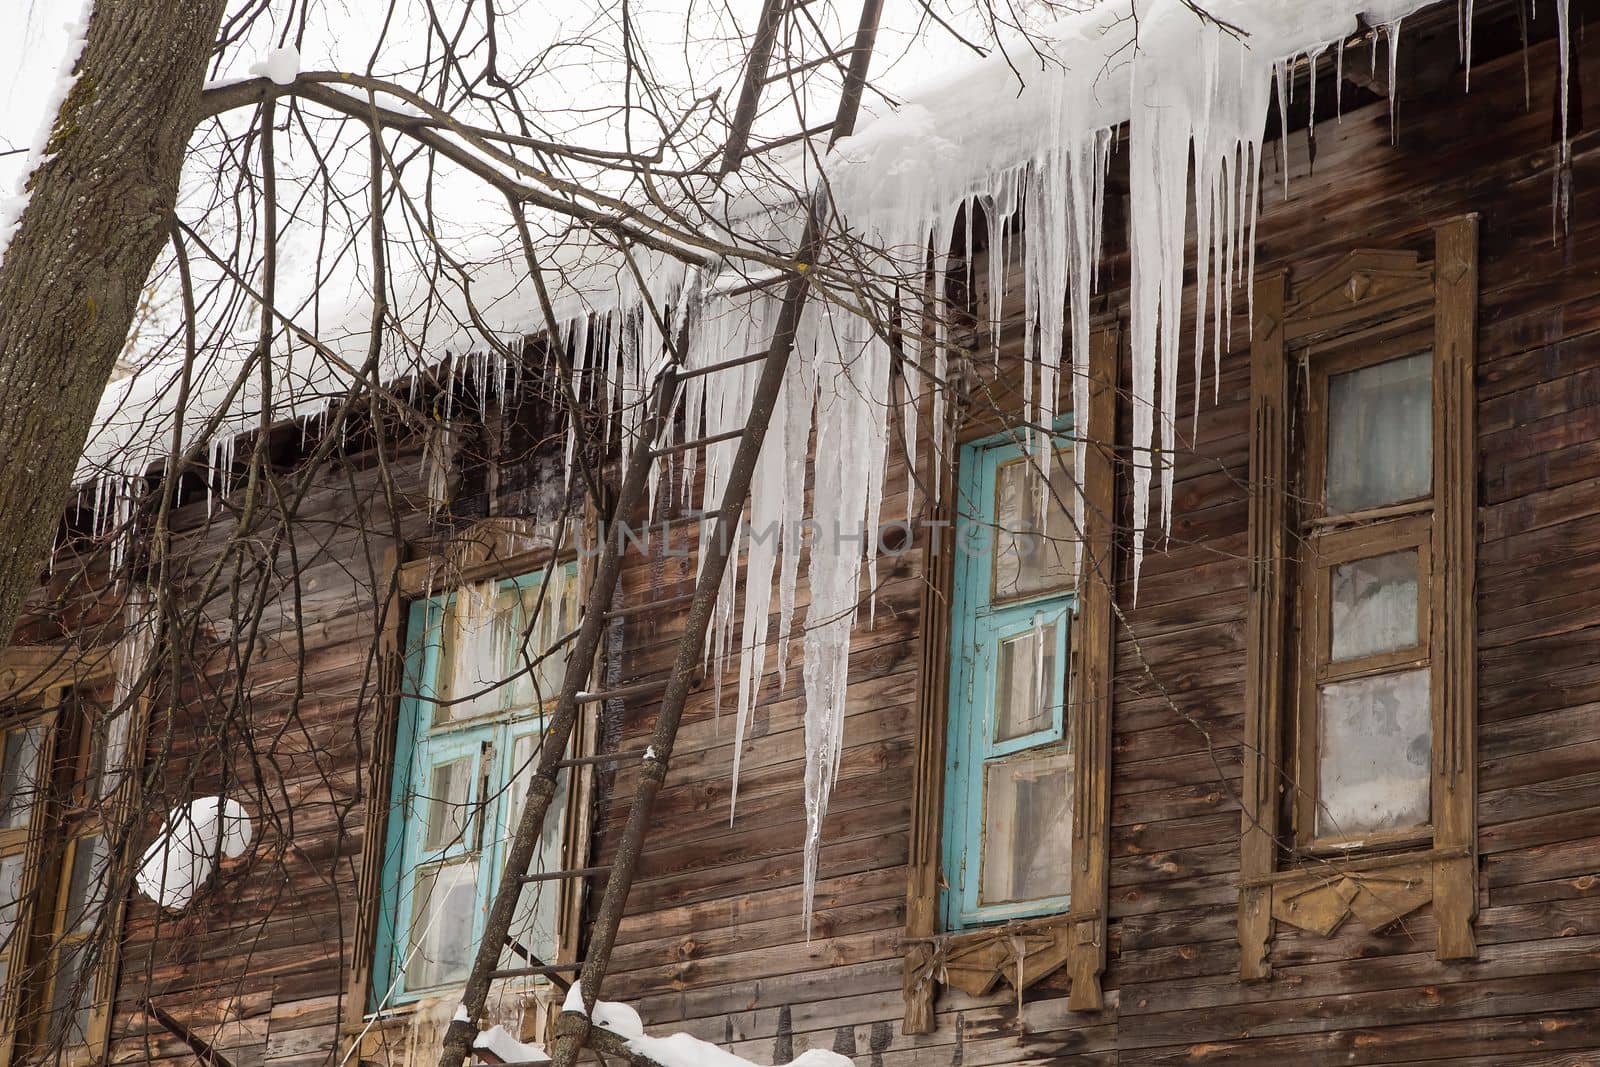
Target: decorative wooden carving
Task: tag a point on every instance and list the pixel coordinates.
(1021, 953)
(1368, 298)
(1265, 622)
(1092, 674)
(380, 776)
(1016, 953)
(1322, 903)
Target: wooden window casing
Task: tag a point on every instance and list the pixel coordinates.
(74, 802)
(488, 737)
(491, 549)
(987, 620)
(976, 960)
(1369, 309)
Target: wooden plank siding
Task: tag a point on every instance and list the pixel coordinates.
(714, 942)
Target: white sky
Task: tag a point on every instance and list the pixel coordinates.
(340, 34)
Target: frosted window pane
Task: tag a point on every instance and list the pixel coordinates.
(1380, 434)
(1373, 770)
(533, 927)
(552, 619)
(1027, 827)
(85, 889)
(1375, 605)
(19, 770)
(1032, 555)
(1024, 683)
(10, 899)
(480, 632)
(71, 1003)
(442, 913)
(449, 803)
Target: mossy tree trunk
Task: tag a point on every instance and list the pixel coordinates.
(97, 214)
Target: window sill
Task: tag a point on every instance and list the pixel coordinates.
(1020, 952)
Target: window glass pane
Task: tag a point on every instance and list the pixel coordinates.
(1374, 605)
(85, 889)
(1380, 434)
(10, 902)
(72, 996)
(1027, 827)
(1373, 768)
(480, 632)
(108, 755)
(449, 801)
(1025, 682)
(553, 609)
(1034, 539)
(442, 912)
(19, 770)
(534, 925)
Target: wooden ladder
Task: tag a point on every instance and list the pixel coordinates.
(573, 1029)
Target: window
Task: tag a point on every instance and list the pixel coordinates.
(1011, 798)
(484, 664)
(1364, 722)
(1359, 785)
(1009, 768)
(62, 751)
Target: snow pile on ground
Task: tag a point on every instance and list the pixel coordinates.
(178, 863)
(678, 1050)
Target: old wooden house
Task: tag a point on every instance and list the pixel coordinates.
(1320, 787)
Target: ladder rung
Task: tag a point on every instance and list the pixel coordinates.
(652, 605)
(789, 140)
(543, 970)
(571, 872)
(727, 364)
(626, 691)
(801, 68)
(603, 757)
(699, 442)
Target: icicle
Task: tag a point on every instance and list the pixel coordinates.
(1563, 176)
(1311, 105)
(1338, 83)
(1392, 32)
(1466, 44)
(1280, 75)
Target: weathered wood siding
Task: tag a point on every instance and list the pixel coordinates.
(714, 942)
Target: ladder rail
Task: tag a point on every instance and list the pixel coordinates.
(461, 1032)
(572, 1028)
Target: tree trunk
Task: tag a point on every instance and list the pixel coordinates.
(96, 217)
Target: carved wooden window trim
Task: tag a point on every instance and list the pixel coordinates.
(1024, 951)
(491, 548)
(39, 676)
(1369, 307)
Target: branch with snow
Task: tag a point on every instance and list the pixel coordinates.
(180, 861)
(618, 1031)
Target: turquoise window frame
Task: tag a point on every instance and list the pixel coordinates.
(419, 747)
(978, 626)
